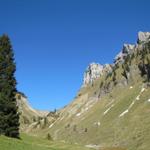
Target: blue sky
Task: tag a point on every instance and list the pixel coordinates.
(55, 40)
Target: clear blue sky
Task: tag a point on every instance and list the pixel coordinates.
(55, 40)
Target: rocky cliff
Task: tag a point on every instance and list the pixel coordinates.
(143, 37)
(94, 71)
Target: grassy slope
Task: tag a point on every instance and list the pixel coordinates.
(35, 143)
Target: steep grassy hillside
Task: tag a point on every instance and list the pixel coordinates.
(30, 117)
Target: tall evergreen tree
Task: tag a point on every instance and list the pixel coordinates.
(9, 117)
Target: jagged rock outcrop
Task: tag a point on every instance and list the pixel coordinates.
(107, 68)
(126, 50)
(129, 48)
(143, 37)
(93, 71)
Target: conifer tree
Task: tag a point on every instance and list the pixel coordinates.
(9, 117)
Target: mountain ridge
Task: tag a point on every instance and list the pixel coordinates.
(111, 107)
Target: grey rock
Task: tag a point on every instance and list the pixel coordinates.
(143, 37)
(119, 58)
(93, 71)
(126, 50)
(107, 68)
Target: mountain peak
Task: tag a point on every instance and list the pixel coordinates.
(93, 71)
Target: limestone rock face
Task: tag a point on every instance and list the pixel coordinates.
(129, 48)
(96, 70)
(92, 72)
(107, 68)
(126, 50)
(143, 37)
(119, 58)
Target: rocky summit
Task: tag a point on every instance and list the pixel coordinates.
(126, 50)
(93, 71)
(110, 110)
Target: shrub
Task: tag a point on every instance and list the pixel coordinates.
(49, 137)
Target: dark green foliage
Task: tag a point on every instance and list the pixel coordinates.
(107, 86)
(49, 137)
(145, 70)
(19, 97)
(22, 94)
(45, 122)
(127, 59)
(9, 116)
(142, 69)
(34, 119)
(132, 56)
(114, 78)
(143, 53)
(101, 84)
(115, 67)
(126, 69)
(67, 126)
(148, 46)
(148, 72)
(85, 130)
(75, 128)
(108, 75)
(124, 74)
(144, 65)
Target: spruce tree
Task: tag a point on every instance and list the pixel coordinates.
(9, 117)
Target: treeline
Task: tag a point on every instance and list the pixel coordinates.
(9, 116)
